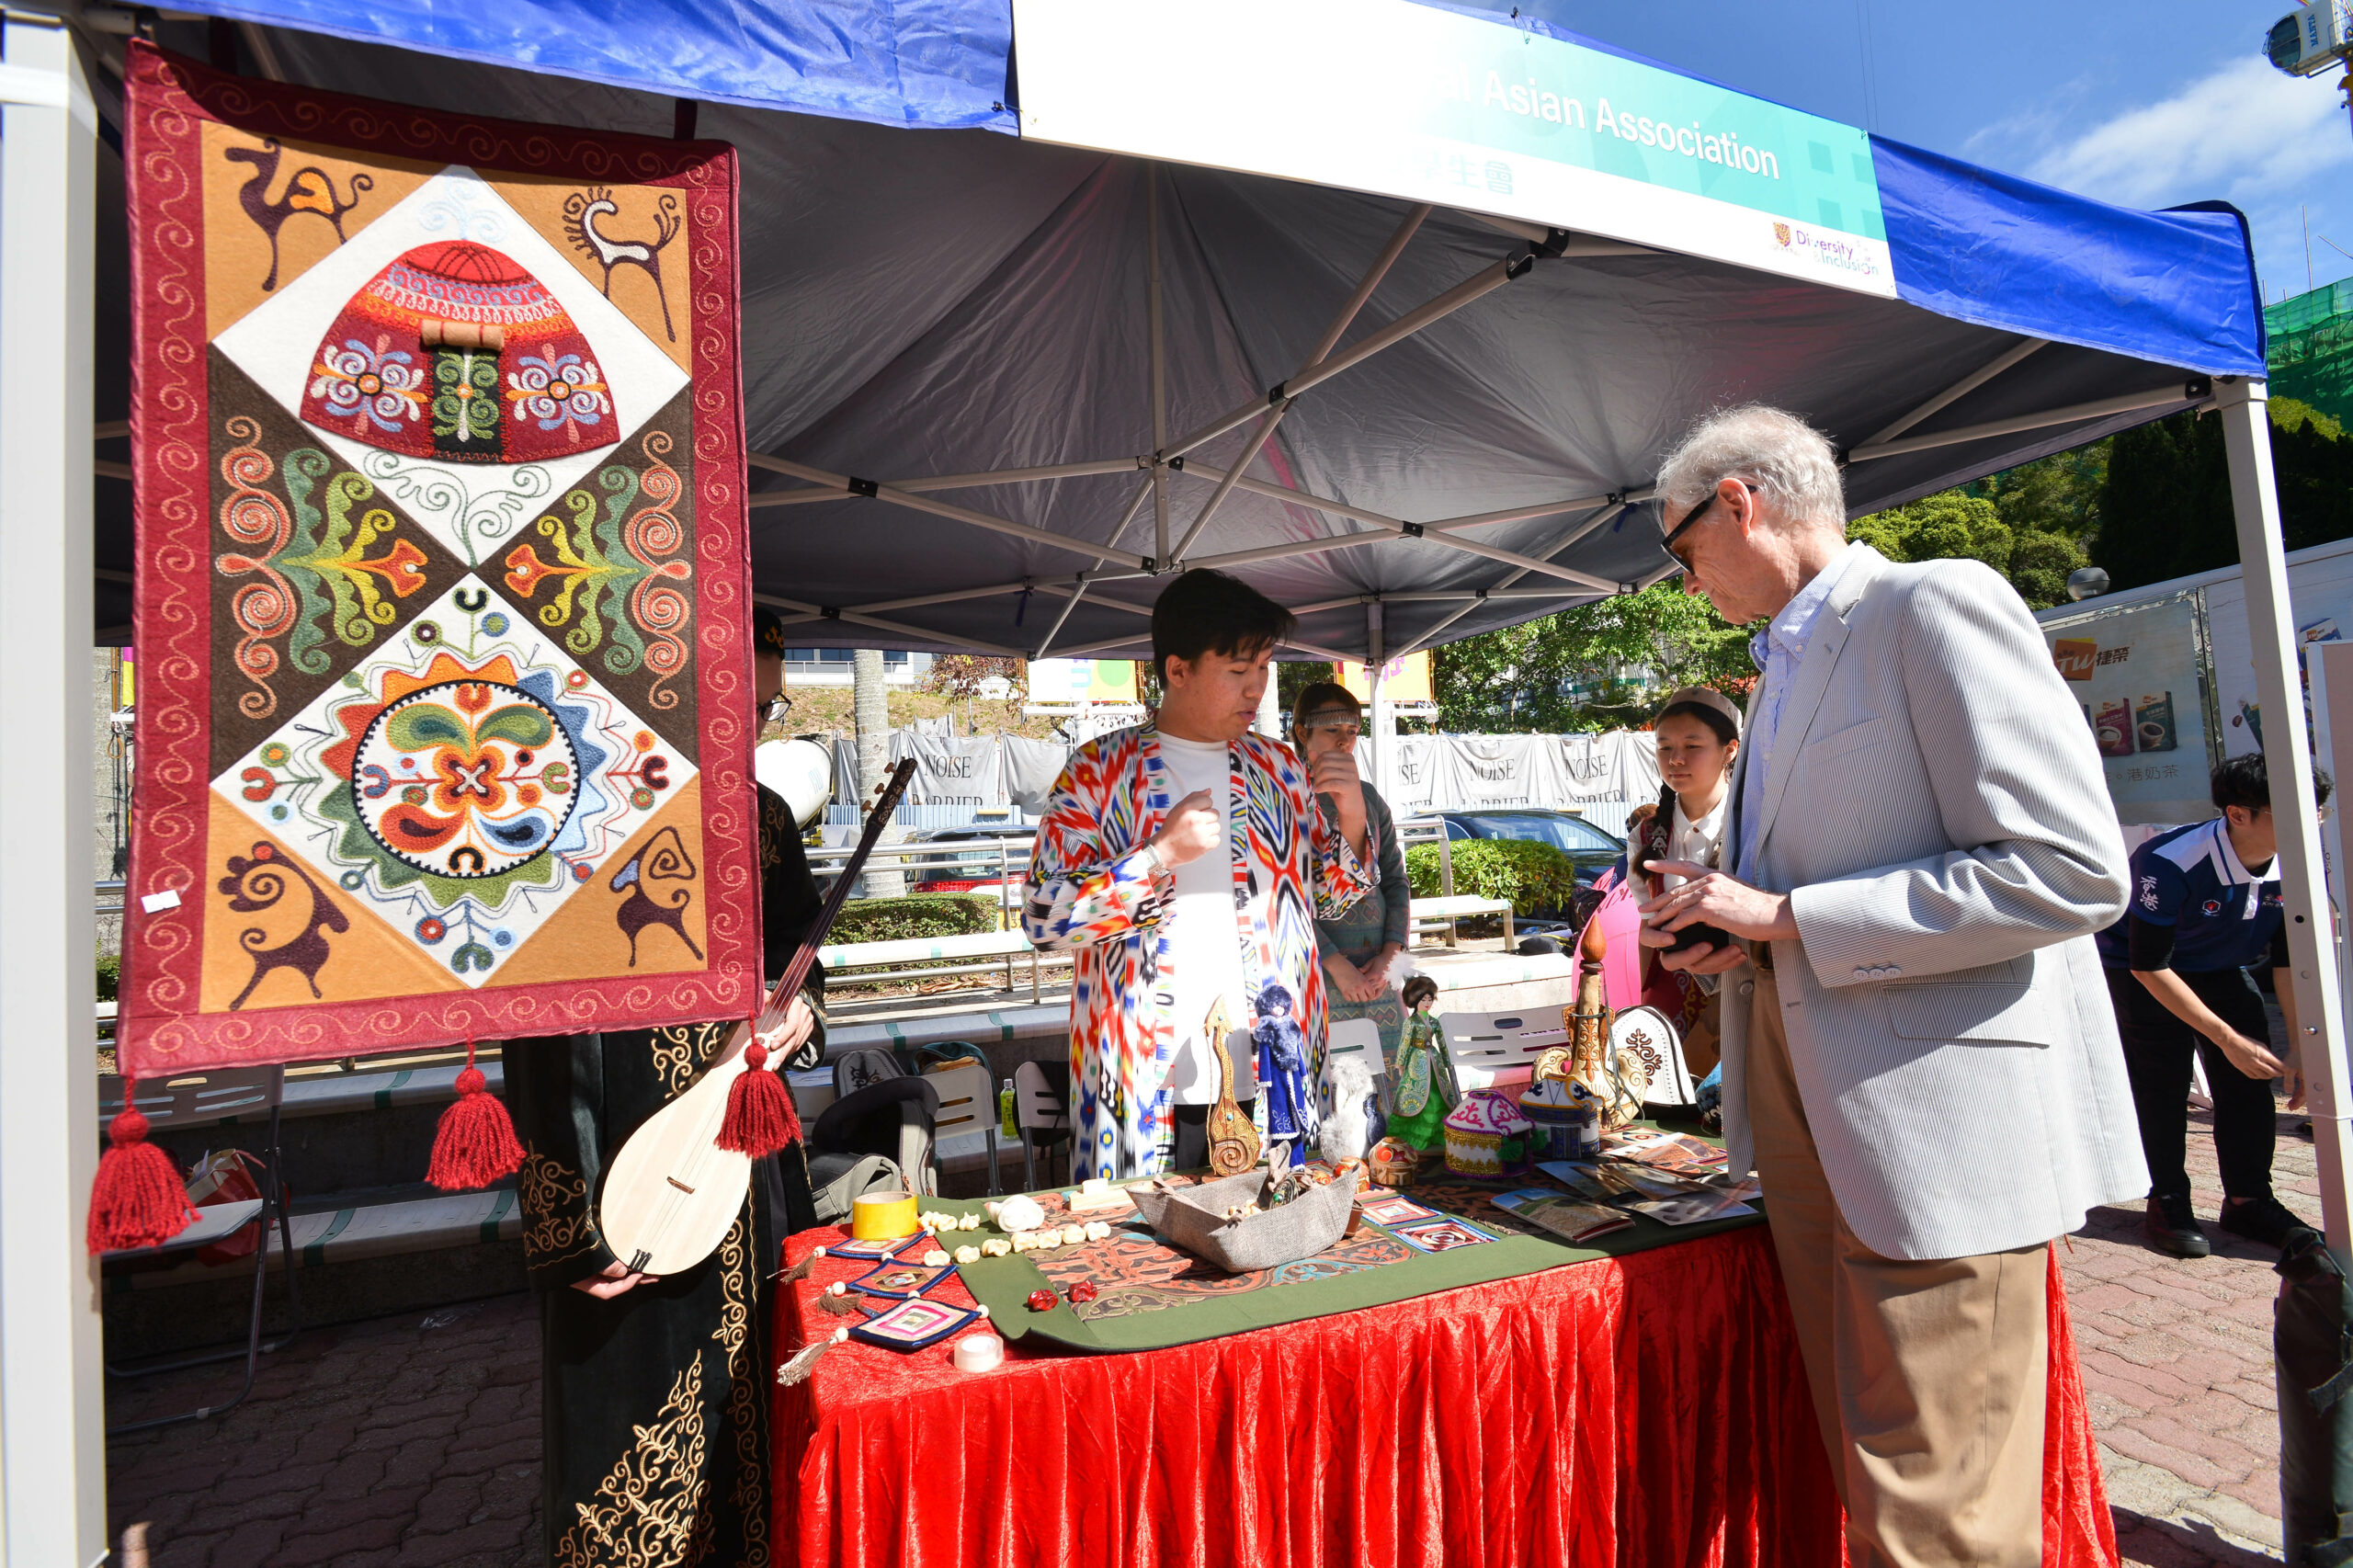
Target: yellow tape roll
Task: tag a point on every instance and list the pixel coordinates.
(882, 1216)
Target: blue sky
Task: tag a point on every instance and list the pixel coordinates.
(2145, 105)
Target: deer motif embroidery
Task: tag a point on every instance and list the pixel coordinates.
(258, 882)
(581, 210)
(309, 189)
(658, 881)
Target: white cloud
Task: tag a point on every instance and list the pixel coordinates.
(2247, 133)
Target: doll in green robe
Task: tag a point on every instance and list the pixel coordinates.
(1425, 1090)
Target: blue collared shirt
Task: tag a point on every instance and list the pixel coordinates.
(1779, 651)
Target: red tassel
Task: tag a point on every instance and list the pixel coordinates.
(761, 1119)
(474, 1145)
(138, 1199)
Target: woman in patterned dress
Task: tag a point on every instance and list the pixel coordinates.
(1697, 735)
(1358, 946)
(654, 1391)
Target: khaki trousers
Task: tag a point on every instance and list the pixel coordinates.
(1928, 1375)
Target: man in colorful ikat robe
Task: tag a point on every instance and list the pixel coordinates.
(1186, 861)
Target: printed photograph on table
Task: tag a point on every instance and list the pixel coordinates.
(913, 1326)
(1564, 1217)
(1691, 1209)
(1444, 1236)
(443, 585)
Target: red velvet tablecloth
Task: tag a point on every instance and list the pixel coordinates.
(1649, 1409)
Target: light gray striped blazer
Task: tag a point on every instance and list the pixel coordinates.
(1936, 814)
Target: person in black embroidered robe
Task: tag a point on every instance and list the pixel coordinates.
(654, 1391)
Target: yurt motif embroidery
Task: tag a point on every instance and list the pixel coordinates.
(454, 351)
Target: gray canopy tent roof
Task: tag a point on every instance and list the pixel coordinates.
(934, 316)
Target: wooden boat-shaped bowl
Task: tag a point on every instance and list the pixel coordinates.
(1193, 1217)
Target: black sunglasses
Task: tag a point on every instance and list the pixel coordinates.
(1693, 516)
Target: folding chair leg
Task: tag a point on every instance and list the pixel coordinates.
(1029, 1162)
(291, 1269)
(251, 1353)
(995, 1188)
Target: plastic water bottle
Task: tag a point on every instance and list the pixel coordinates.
(1009, 1124)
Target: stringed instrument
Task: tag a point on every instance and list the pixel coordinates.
(671, 1192)
(1234, 1138)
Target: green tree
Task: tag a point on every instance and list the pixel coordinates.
(1598, 666)
(2166, 507)
(1954, 523)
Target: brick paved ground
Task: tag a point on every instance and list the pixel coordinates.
(410, 1441)
(2177, 1360)
(414, 1441)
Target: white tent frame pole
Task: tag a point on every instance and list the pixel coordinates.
(2288, 762)
(1391, 525)
(1155, 484)
(1524, 514)
(2130, 403)
(1016, 475)
(821, 612)
(1335, 654)
(1437, 596)
(1961, 387)
(1159, 369)
(1485, 282)
(53, 1413)
(1274, 415)
(945, 481)
(1056, 628)
(880, 492)
(1381, 720)
(1430, 637)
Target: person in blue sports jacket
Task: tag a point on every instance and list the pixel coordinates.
(2205, 910)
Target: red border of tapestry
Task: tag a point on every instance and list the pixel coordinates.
(189, 644)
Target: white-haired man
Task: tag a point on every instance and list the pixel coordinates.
(1918, 1055)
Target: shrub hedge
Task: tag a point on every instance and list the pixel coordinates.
(918, 915)
(1534, 876)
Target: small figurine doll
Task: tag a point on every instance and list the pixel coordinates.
(1426, 1089)
(1282, 1068)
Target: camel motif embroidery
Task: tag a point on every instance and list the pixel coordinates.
(581, 211)
(657, 882)
(309, 189)
(258, 882)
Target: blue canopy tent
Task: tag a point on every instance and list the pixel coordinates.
(1044, 299)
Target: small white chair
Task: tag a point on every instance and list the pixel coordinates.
(1043, 1115)
(967, 1120)
(1493, 1049)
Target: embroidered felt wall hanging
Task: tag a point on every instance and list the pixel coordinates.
(442, 590)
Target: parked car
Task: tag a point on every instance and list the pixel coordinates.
(968, 862)
(1592, 850)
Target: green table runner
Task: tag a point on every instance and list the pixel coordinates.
(1151, 1296)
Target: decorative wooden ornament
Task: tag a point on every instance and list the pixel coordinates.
(1234, 1141)
(1593, 1065)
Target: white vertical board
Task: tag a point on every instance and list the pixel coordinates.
(52, 1445)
